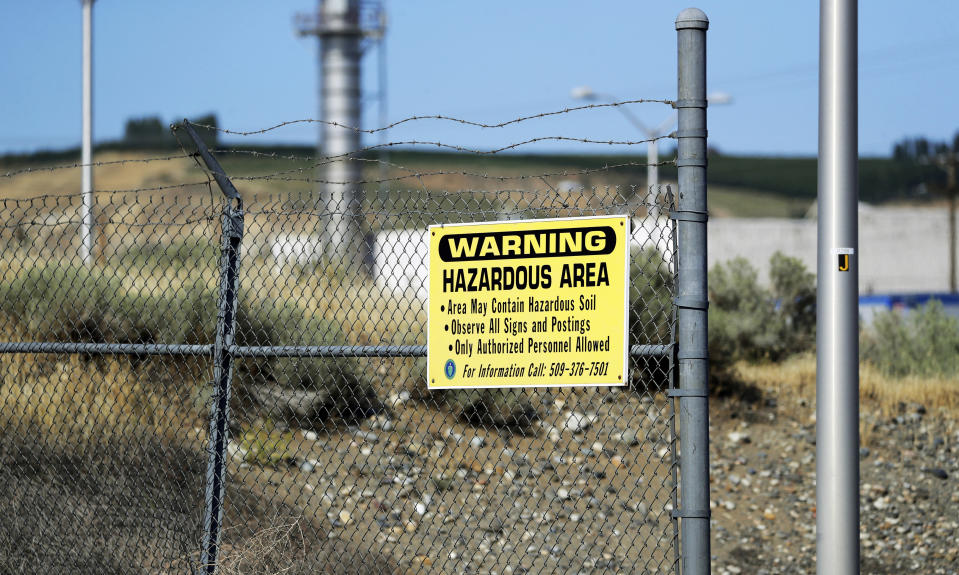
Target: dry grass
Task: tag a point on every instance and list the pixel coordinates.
(79, 401)
(108, 177)
(795, 379)
(272, 550)
(72, 403)
(367, 314)
(289, 545)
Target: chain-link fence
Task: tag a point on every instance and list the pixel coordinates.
(101, 455)
(338, 457)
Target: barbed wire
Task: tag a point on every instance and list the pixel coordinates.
(152, 188)
(321, 160)
(97, 164)
(254, 209)
(437, 117)
(69, 199)
(349, 156)
(410, 173)
(414, 174)
(100, 192)
(213, 216)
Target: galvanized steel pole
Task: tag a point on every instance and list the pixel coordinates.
(86, 213)
(837, 317)
(691, 301)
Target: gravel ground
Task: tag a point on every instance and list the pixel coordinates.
(440, 496)
(764, 499)
(587, 489)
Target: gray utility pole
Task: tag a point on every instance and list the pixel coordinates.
(691, 300)
(837, 314)
(341, 25)
(86, 213)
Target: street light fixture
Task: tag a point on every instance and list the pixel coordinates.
(652, 134)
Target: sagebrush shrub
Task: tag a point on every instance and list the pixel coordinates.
(262, 322)
(754, 323)
(923, 343)
(52, 302)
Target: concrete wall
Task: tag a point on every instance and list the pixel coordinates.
(900, 249)
(400, 262)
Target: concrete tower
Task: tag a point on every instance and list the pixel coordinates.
(342, 26)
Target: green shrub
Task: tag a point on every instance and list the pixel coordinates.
(266, 445)
(753, 323)
(923, 343)
(70, 303)
(651, 291)
(282, 322)
(196, 252)
(794, 288)
(79, 304)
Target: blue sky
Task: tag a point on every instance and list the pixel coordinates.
(485, 61)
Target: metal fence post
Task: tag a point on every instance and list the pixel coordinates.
(231, 222)
(691, 300)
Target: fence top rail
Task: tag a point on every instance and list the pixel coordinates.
(92, 348)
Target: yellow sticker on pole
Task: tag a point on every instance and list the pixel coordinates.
(528, 303)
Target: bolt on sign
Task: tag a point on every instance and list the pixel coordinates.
(528, 303)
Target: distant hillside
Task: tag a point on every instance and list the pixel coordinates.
(750, 186)
(880, 179)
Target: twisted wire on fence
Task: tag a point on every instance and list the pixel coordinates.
(441, 117)
(338, 454)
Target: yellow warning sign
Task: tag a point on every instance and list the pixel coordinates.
(528, 303)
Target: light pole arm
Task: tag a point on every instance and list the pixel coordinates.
(633, 118)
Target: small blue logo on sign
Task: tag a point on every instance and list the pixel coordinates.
(449, 369)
